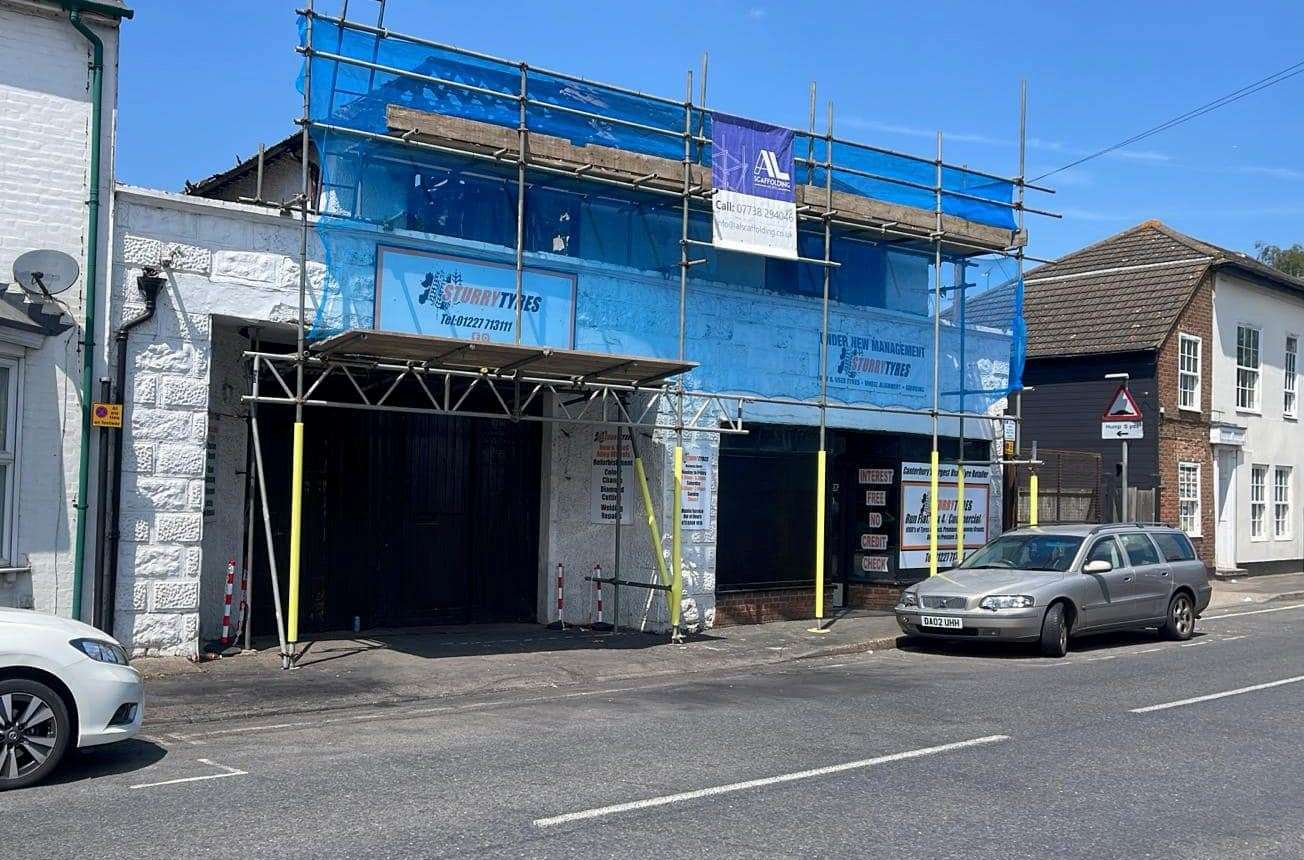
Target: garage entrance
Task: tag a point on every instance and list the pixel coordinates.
(409, 519)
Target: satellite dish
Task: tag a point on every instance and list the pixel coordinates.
(45, 274)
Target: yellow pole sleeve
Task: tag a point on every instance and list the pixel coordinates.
(296, 529)
(676, 545)
(1032, 499)
(932, 518)
(959, 515)
(819, 536)
(653, 530)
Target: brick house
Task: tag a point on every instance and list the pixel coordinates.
(1157, 304)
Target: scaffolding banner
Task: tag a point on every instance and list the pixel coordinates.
(754, 206)
(916, 479)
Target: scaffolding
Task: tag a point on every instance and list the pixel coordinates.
(624, 393)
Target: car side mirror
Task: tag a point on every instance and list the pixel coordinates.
(1097, 566)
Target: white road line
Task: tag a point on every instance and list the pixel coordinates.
(1252, 612)
(1234, 638)
(668, 799)
(226, 771)
(1197, 642)
(1212, 696)
(1149, 650)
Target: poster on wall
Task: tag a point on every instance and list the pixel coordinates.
(421, 292)
(604, 503)
(695, 489)
(892, 365)
(754, 204)
(915, 485)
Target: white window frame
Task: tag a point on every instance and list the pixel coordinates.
(1290, 377)
(1183, 339)
(1185, 483)
(1254, 399)
(9, 456)
(1259, 505)
(1282, 503)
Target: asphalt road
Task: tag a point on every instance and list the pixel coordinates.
(954, 752)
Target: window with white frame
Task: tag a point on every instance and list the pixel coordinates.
(1188, 498)
(8, 455)
(1247, 368)
(1289, 383)
(1188, 372)
(1258, 500)
(1281, 502)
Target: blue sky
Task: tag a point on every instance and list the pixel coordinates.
(204, 82)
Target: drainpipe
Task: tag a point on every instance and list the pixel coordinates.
(74, 9)
(106, 574)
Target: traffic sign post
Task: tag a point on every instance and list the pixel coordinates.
(1122, 420)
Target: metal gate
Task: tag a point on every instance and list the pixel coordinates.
(1070, 488)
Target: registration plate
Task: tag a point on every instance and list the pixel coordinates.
(945, 622)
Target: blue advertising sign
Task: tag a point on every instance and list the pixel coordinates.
(426, 293)
(753, 207)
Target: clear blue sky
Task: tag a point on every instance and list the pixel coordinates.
(203, 82)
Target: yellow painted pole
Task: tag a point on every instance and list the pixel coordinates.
(819, 539)
(1032, 499)
(932, 517)
(296, 530)
(676, 545)
(959, 515)
(653, 529)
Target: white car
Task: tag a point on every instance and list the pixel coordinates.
(62, 684)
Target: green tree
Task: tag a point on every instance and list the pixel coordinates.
(1289, 260)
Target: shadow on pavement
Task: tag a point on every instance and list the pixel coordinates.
(108, 760)
(1100, 642)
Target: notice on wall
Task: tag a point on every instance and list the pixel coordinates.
(425, 293)
(611, 489)
(876, 476)
(874, 520)
(915, 512)
(876, 498)
(754, 204)
(873, 564)
(873, 541)
(695, 489)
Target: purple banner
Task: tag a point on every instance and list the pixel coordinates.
(751, 157)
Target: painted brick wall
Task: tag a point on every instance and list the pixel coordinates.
(44, 166)
(1184, 434)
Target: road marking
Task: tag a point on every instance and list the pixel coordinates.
(1252, 612)
(1098, 659)
(666, 800)
(1150, 650)
(1213, 696)
(1234, 638)
(226, 771)
(1198, 642)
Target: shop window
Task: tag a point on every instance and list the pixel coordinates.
(9, 412)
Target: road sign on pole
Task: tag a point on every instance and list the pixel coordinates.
(1122, 418)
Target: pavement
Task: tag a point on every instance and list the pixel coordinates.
(414, 665)
(1129, 747)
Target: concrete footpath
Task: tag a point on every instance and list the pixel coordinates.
(393, 667)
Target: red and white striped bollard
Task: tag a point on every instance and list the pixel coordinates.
(226, 609)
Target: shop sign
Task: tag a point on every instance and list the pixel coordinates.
(426, 293)
(873, 563)
(915, 511)
(873, 541)
(695, 489)
(754, 203)
(876, 498)
(874, 520)
(604, 503)
(876, 476)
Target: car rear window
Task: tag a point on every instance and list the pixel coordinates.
(1139, 549)
(1174, 546)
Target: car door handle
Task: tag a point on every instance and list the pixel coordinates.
(1128, 578)
(1164, 572)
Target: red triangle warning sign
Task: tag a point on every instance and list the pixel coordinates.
(1122, 407)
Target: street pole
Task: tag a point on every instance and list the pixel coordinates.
(1122, 501)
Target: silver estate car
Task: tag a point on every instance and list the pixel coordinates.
(1046, 584)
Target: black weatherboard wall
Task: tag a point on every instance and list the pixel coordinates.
(1069, 395)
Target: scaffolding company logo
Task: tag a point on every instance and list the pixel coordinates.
(768, 174)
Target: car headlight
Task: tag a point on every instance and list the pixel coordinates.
(104, 652)
(1006, 601)
(909, 598)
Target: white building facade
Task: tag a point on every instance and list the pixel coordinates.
(1257, 434)
(45, 184)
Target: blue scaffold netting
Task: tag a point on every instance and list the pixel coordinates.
(412, 238)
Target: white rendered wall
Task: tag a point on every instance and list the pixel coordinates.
(45, 118)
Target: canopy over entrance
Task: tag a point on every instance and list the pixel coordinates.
(499, 359)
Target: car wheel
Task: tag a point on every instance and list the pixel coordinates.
(1054, 632)
(34, 732)
(1180, 624)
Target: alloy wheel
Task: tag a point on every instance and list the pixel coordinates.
(1183, 615)
(28, 733)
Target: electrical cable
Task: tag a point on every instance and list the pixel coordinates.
(1222, 101)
